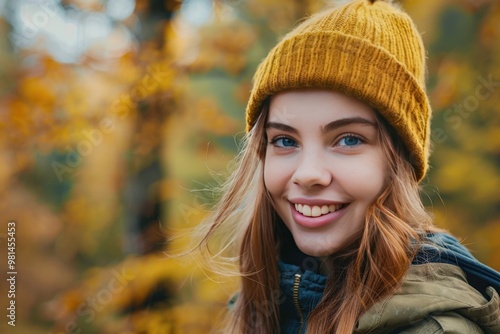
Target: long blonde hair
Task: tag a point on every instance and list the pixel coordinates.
(246, 231)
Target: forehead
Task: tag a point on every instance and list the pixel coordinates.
(309, 104)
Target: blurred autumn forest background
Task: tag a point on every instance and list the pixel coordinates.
(118, 116)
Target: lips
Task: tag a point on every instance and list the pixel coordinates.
(317, 210)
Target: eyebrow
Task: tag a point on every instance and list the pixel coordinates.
(281, 126)
(345, 122)
(327, 128)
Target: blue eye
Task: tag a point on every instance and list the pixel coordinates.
(284, 142)
(350, 141)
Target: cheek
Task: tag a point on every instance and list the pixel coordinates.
(270, 177)
(275, 176)
(366, 178)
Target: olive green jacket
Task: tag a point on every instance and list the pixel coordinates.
(434, 298)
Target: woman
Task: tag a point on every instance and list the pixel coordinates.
(323, 207)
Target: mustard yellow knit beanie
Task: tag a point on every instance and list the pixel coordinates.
(367, 49)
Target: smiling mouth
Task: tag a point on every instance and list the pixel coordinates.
(318, 210)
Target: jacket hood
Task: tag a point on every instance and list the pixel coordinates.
(444, 248)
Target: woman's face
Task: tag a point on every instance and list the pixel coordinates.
(324, 166)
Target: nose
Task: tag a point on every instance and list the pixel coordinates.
(312, 170)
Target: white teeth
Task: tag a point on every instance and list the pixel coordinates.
(315, 210)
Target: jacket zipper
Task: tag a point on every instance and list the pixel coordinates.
(296, 300)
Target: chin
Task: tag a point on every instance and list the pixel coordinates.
(327, 247)
(318, 251)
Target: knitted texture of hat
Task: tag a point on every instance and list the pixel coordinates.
(370, 50)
